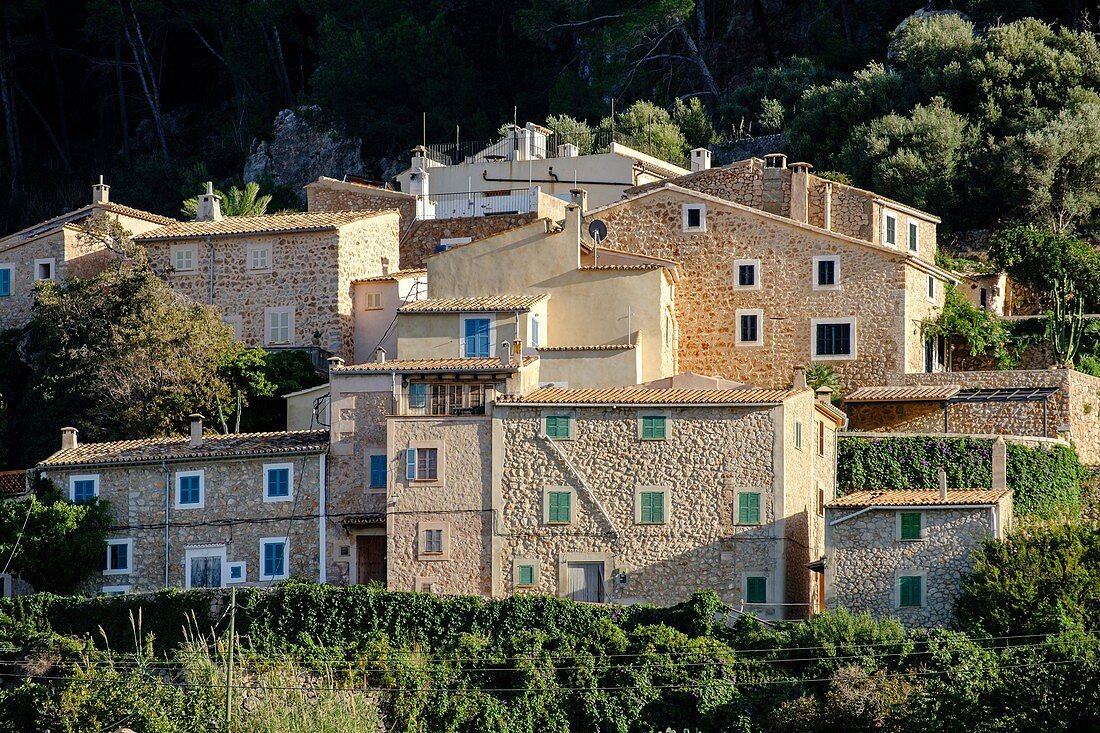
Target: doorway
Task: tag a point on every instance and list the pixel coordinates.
(370, 558)
(585, 582)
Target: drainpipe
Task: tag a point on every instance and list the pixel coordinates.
(210, 247)
(322, 519)
(167, 521)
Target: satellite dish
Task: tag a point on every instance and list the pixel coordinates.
(597, 230)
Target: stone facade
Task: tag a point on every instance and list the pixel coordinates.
(329, 194)
(422, 239)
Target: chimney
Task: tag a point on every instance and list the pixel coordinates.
(196, 429)
(505, 353)
(579, 197)
(943, 485)
(517, 351)
(800, 191)
(799, 378)
(380, 355)
(1000, 464)
(828, 205)
(568, 150)
(775, 173)
(68, 438)
(573, 217)
(700, 159)
(210, 205)
(385, 265)
(335, 362)
(101, 192)
(824, 394)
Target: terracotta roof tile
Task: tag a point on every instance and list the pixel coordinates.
(76, 216)
(653, 266)
(926, 393)
(485, 304)
(594, 347)
(646, 396)
(275, 223)
(433, 365)
(918, 497)
(399, 275)
(151, 450)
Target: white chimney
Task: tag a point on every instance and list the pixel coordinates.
(943, 485)
(101, 192)
(335, 362)
(1000, 464)
(380, 355)
(799, 378)
(505, 353)
(210, 205)
(579, 197)
(68, 438)
(800, 191)
(828, 205)
(700, 159)
(568, 150)
(419, 187)
(196, 429)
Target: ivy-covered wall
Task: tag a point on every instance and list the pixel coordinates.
(1045, 481)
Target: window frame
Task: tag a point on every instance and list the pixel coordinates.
(546, 417)
(819, 438)
(798, 435)
(128, 543)
(230, 566)
(264, 542)
(684, 217)
(462, 345)
(291, 327)
(757, 313)
(250, 257)
(745, 583)
(93, 477)
(412, 460)
(372, 459)
(737, 265)
(421, 545)
(853, 341)
(190, 553)
(815, 274)
(912, 234)
(518, 564)
(268, 467)
(115, 590)
(931, 288)
(759, 508)
(534, 335)
(921, 530)
(639, 509)
(571, 492)
(174, 252)
(665, 430)
(922, 590)
(49, 261)
(888, 216)
(201, 474)
(10, 269)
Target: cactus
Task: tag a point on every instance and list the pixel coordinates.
(1065, 323)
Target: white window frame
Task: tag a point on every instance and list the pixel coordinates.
(931, 288)
(176, 250)
(289, 310)
(201, 473)
(535, 330)
(372, 300)
(128, 542)
(290, 482)
(444, 529)
(250, 254)
(192, 552)
(759, 313)
(491, 317)
(923, 575)
(923, 525)
(737, 265)
(11, 279)
(815, 322)
(702, 209)
(914, 244)
(52, 262)
(115, 590)
(264, 542)
(82, 477)
(546, 506)
(440, 465)
(836, 272)
(640, 422)
(237, 324)
(887, 214)
(229, 566)
(559, 413)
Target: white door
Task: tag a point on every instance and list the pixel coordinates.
(204, 567)
(585, 581)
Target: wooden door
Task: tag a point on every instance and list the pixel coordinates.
(371, 558)
(820, 592)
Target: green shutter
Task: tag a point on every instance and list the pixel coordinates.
(748, 508)
(910, 590)
(910, 525)
(756, 589)
(526, 574)
(559, 507)
(653, 427)
(653, 507)
(557, 426)
(798, 435)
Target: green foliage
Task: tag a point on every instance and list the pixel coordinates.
(1045, 482)
(274, 374)
(983, 333)
(649, 129)
(772, 115)
(1044, 260)
(572, 130)
(819, 374)
(247, 201)
(694, 122)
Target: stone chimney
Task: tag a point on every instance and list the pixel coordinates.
(68, 438)
(800, 191)
(380, 355)
(700, 159)
(943, 485)
(196, 429)
(775, 173)
(506, 353)
(799, 378)
(824, 395)
(1000, 464)
(210, 205)
(101, 192)
(335, 362)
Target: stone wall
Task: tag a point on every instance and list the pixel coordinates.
(1083, 413)
(326, 194)
(420, 241)
(15, 309)
(864, 559)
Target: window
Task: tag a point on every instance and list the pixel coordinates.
(83, 489)
(914, 235)
(189, 489)
(909, 591)
(114, 590)
(826, 272)
(834, 339)
(750, 330)
(798, 435)
(5, 280)
(559, 506)
(183, 258)
(374, 301)
(278, 478)
(651, 507)
(910, 526)
(204, 567)
(983, 298)
(525, 574)
(746, 274)
(433, 541)
(534, 331)
(418, 394)
(477, 337)
(820, 437)
(653, 427)
(748, 507)
(422, 464)
(274, 558)
(44, 269)
(558, 427)
(756, 589)
(259, 257)
(378, 472)
(820, 501)
(694, 217)
(889, 229)
(280, 325)
(119, 557)
(237, 572)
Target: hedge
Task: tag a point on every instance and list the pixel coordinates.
(1045, 481)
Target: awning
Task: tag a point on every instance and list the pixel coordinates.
(366, 519)
(918, 393)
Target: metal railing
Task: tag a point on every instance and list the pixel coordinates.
(542, 147)
(443, 399)
(480, 203)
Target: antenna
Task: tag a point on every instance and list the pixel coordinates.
(424, 129)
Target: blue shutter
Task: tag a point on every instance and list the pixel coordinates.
(5, 281)
(476, 333)
(377, 471)
(410, 464)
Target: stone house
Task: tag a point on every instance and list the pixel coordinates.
(781, 268)
(55, 250)
(204, 510)
(281, 281)
(375, 302)
(905, 553)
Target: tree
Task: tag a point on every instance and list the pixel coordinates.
(649, 129)
(1049, 264)
(573, 131)
(694, 122)
(245, 201)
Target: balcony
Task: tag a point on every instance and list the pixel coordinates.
(456, 400)
(480, 203)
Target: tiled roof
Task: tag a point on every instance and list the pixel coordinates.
(486, 304)
(915, 497)
(644, 396)
(399, 275)
(151, 450)
(78, 215)
(653, 266)
(594, 347)
(275, 223)
(926, 393)
(492, 364)
(138, 214)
